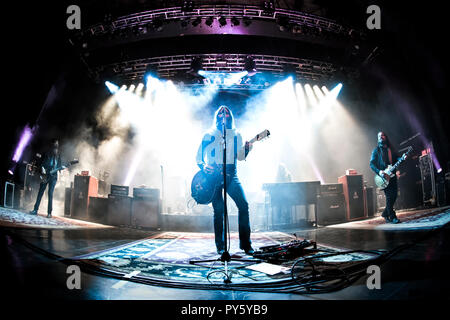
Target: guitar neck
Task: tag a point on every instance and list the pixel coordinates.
(254, 139)
(398, 162)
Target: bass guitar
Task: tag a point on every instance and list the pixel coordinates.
(382, 182)
(46, 176)
(204, 185)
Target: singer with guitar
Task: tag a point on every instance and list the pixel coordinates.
(382, 157)
(210, 160)
(50, 161)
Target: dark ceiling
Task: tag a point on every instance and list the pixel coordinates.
(411, 57)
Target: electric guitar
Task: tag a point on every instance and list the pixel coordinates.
(45, 176)
(204, 185)
(382, 182)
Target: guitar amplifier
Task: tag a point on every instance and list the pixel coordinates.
(98, 210)
(332, 188)
(369, 201)
(67, 200)
(354, 196)
(117, 190)
(381, 199)
(146, 213)
(83, 188)
(331, 209)
(147, 193)
(119, 210)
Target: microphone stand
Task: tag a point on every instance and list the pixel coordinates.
(225, 257)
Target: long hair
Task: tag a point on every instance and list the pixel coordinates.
(388, 142)
(217, 121)
(389, 145)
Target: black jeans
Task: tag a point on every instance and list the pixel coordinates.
(234, 189)
(51, 187)
(391, 195)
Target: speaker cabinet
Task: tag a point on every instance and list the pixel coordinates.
(98, 210)
(369, 198)
(354, 196)
(428, 180)
(67, 200)
(119, 210)
(8, 195)
(145, 213)
(83, 188)
(146, 208)
(331, 209)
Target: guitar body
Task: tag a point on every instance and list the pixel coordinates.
(203, 187)
(381, 183)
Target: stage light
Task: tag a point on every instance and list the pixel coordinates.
(10, 172)
(150, 70)
(300, 97)
(187, 6)
(234, 21)
(310, 94)
(250, 66)
(111, 87)
(222, 21)
(184, 23)
(158, 24)
(326, 102)
(131, 88)
(209, 21)
(132, 169)
(197, 21)
(139, 88)
(319, 94)
(196, 66)
(25, 137)
(269, 7)
(290, 70)
(234, 78)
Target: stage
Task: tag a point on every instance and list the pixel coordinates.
(132, 114)
(126, 263)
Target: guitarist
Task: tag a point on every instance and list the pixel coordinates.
(383, 155)
(210, 160)
(51, 160)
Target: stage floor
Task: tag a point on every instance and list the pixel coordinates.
(35, 260)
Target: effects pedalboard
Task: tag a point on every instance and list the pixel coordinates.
(285, 251)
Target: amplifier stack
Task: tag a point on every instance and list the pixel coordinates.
(119, 206)
(331, 204)
(84, 187)
(142, 210)
(354, 196)
(146, 208)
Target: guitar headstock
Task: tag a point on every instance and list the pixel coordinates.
(262, 135)
(410, 149)
(74, 161)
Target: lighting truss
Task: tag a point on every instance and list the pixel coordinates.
(169, 67)
(295, 18)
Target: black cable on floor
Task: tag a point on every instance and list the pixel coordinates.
(332, 277)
